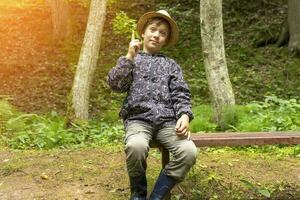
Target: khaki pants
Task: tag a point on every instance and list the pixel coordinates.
(137, 138)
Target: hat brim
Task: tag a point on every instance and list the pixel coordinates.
(174, 28)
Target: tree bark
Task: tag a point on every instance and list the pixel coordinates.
(60, 19)
(284, 36)
(290, 33)
(88, 59)
(294, 25)
(214, 57)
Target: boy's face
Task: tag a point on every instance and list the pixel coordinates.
(155, 37)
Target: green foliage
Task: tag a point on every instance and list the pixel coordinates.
(262, 191)
(229, 117)
(256, 73)
(123, 25)
(274, 114)
(23, 131)
(202, 121)
(32, 131)
(264, 34)
(6, 112)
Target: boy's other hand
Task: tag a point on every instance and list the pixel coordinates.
(182, 126)
(134, 47)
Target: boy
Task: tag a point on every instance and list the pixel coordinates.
(157, 106)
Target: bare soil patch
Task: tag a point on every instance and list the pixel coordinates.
(101, 173)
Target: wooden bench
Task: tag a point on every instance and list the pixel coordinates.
(236, 139)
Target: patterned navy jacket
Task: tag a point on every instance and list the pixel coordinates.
(156, 90)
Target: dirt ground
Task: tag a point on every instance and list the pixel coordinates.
(100, 173)
(88, 174)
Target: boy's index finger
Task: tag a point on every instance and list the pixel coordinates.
(132, 35)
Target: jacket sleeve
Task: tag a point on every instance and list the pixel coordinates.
(120, 77)
(180, 93)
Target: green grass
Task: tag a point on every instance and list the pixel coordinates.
(234, 174)
(32, 131)
(273, 114)
(202, 121)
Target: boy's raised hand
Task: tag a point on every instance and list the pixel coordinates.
(182, 126)
(134, 47)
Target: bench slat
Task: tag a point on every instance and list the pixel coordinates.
(242, 139)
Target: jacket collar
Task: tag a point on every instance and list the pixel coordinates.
(142, 53)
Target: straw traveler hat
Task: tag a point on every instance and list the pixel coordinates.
(163, 14)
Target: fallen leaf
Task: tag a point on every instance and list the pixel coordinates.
(44, 176)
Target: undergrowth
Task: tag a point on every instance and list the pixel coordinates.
(273, 114)
(32, 131)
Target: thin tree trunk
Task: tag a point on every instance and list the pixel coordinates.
(88, 59)
(60, 19)
(290, 33)
(294, 25)
(214, 57)
(284, 36)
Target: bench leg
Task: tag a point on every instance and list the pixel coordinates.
(164, 161)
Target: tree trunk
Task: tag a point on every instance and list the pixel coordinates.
(214, 57)
(294, 25)
(290, 33)
(60, 19)
(88, 59)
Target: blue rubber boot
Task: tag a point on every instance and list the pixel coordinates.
(163, 185)
(138, 188)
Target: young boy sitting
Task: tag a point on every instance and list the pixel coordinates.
(157, 106)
